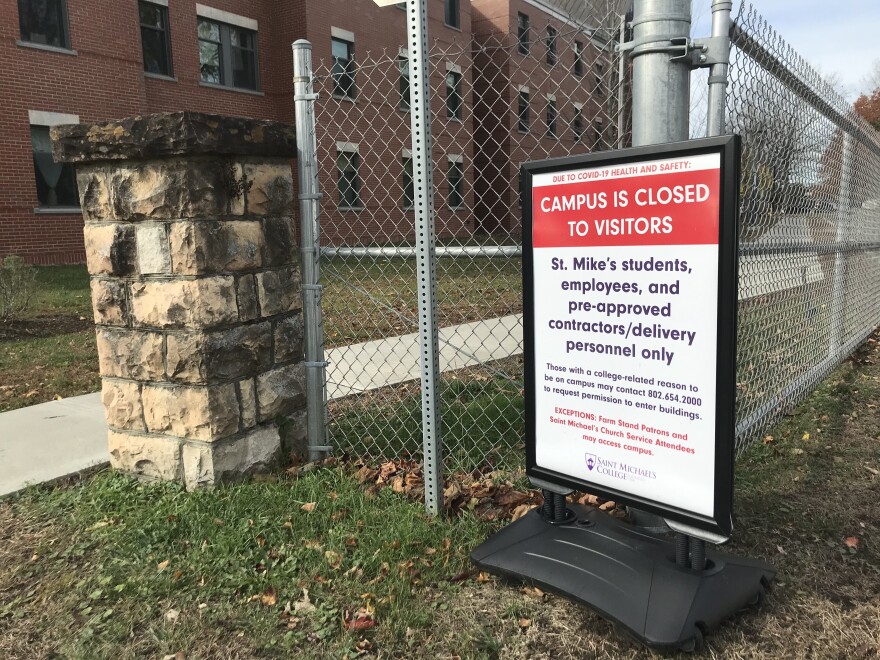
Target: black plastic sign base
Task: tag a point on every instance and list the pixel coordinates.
(627, 575)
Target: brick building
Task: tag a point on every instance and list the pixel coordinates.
(83, 60)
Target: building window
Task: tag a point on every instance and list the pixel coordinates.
(56, 182)
(453, 16)
(44, 22)
(551, 45)
(455, 179)
(524, 118)
(598, 134)
(578, 58)
(551, 118)
(453, 95)
(348, 182)
(522, 33)
(408, 187)
(155, 40)
(343, 68)
(403, 65)
(577, 125)
(227, 55)
(600, 87)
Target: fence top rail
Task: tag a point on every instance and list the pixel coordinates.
(797, 75)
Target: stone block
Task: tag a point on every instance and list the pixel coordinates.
(248, 398)
(205, 358)
(122, 405)
(228, 460)
(149, 457)
(203, 303)
(295, 435)
(94, 193)
(280, 291)
(109, 302)
(110, 249)
(132, 354)
(198, 248)
(289, 339)
(270, 188)
(280, 240)
(199, 413)
(281, 391)
(154, 257)
(246, 294)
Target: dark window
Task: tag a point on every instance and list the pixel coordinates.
(578, 58)
(551, 45)
(453, 95)
(577, 125)
(56, 182)
(598, 134)
(408, 188)
(403, 65)
(343, 68)
(600, 87)
(155, 40)
(524, 118)
(522, 33)
(453, 17)
(228, 55)
(349, 181)
(551, 118)
(44, 22)
(455, 177)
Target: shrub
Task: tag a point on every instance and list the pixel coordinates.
(17, 284)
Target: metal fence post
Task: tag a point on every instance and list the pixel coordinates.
(661, 86)
(835, 339)
(423, 204)
(309, 196)
(718, 72)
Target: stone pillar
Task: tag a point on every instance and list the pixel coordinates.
(196, 290)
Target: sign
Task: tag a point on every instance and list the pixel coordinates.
(630, 326)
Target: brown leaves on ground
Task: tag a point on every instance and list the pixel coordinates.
(489, 495)
(361, 619)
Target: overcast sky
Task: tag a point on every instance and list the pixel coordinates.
(836, 36)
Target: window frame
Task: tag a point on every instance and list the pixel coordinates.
(66, 168)
(598, 71)
(552, 121)
(598, 134)
(166, 31)
(524, 109)
(404, 84)
(458, 91)
(523, 33)
(578, 68)
(452, 13)
(552, 35)
(350, 70)
(577, 125)
(64, 25)
(227, 72)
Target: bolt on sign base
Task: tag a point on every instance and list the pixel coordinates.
(626, 575)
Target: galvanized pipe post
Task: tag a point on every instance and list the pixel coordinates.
(423, 204)
(835, 339)
(309, 196)
(718, 72)
(661, 87)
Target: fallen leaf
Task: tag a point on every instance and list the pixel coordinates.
(308, 508)
(768, 439)
(171, 616)
(484, 577)
(304, 605)
(851, 542)
(364, 645)
(32, 393)
(524, 623)
(806, 436)
(333, 558)
(269, 598)
(781, 550)
(533, 591)
(163, 564)
(360, 620)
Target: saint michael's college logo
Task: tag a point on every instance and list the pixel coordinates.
(591, 461)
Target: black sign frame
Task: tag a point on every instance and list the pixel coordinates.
(728, 147)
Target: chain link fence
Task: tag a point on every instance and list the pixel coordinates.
(810, 225)
(524, 87)
(548, 83)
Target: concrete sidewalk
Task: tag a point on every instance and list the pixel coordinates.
(59, 438)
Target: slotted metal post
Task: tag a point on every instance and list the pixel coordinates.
(309, 197)
(423, 204)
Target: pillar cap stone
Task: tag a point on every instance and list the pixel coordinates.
(169, 134)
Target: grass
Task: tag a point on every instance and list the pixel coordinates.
(110, 567)
(61, 360)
